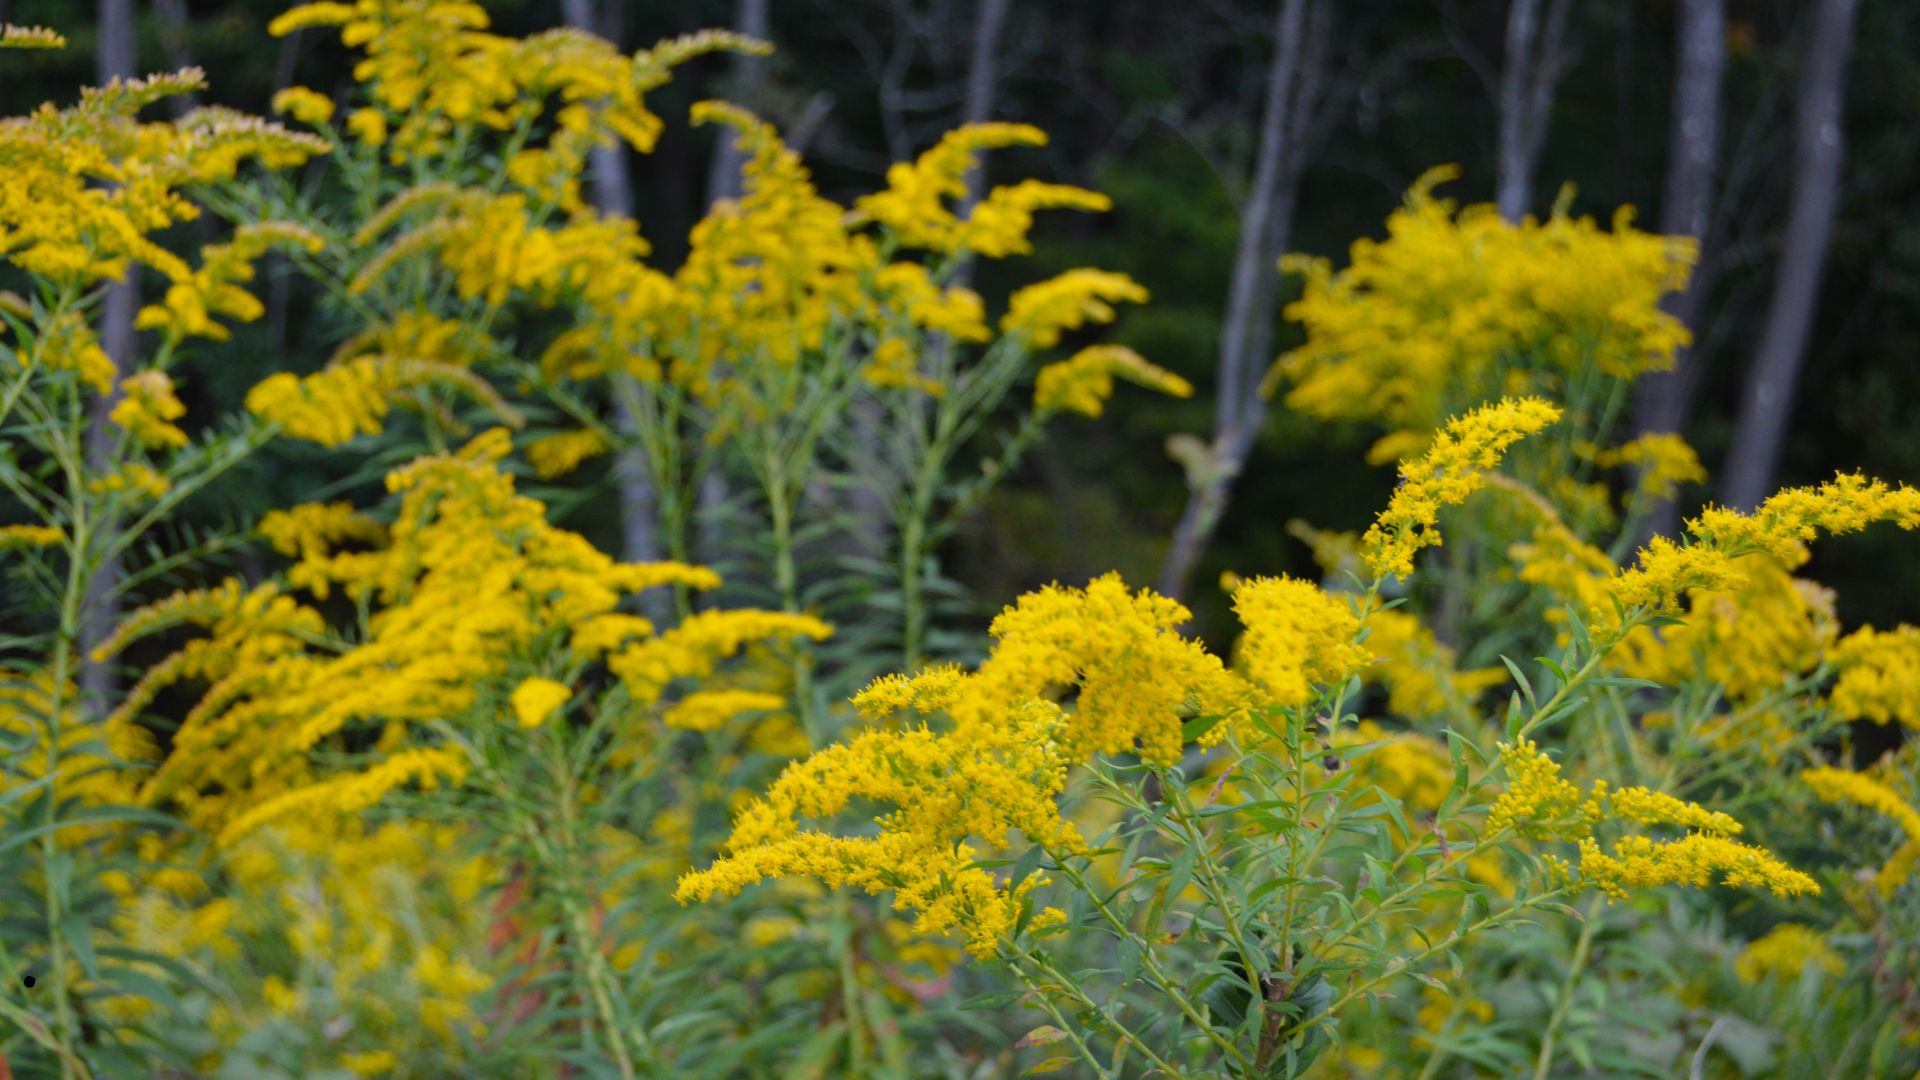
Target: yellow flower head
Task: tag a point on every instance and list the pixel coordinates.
(148, 408)
(535, 700)
(1431, 316)
(1453, 468)
(1879, 675)
(1785, 953)
(310, 107)
(1083, 382)
(1298, 640)
(1042, 312)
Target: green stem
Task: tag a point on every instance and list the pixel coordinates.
(1581, 950)
(1159, 976)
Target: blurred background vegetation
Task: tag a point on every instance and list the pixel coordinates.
(1162, 106)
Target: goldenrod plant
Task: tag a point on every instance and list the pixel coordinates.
(406, 776)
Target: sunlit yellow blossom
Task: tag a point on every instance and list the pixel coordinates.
(344, 400)
(1697, 860)
(148, 408)
(133, 478)
(29, 536)
(535, 700)
(1043, 311)
(69, 345)
(1431, 316)
(561, 453)
(370, 1063)
(214, 289)
(1665, 572)
(354, 791)
(1785, 953)
(1001, 767)
(1298, 639)
(367, 125)
(310, 107)
(1083, 382)
(692, 649)
(1769, 629)
(1540, 803)
(94, 761)
(1847, 503)
(1409, 767)
(1664, 461)
(931, 690)
(1137, 676)
(1840, 785)
(913, 208)
(1644, 806)
(1536, 796)
(86, 187)
(1452, 469)
(707, 710)
(1879, 675)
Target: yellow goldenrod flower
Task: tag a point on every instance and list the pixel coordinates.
(26, 536)
(1298, 640)
(1453, 468)
(708, 710)
(1785, 953)
(1750, 640)
(148, 408)
(1418, 671)
(1430, 316)
(194, 299)
(1537, 797)
(308, 106)
(87, 186)
(561, 453)
(1847, 503)
(1879, 675)
(353, 791)
(1042, 312)
(133, 478)
(1840, 785)
(1697, 860)
(1083, 382)
(535, 700)
(913, 207)
(1664, 461)
(348, 399)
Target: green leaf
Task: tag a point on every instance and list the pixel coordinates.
(1526, 687)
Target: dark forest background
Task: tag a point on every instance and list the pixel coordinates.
(1787, 134)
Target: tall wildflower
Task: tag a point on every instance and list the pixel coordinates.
(465, 586)
(1452, 469)
(1423, 322)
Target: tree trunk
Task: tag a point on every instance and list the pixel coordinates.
(1264, 222)
(116, 58)
(612, 186)
(983, 84)
(1664, 399)
(1767, 399)
(754, 19)
(1529, 73)
(174, 28)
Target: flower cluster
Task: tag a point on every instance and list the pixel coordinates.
(1539, 801)
(1002, 764)
(1452, 469)
(465, 587)
(1428, 319)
